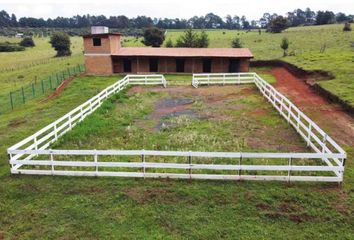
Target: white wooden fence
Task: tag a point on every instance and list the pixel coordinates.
(32, 156)
(222, 78)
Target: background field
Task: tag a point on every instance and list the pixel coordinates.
(305, 44)
(20, 68)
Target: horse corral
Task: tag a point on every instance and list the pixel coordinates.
(324, 163)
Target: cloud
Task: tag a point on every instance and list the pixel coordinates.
(252, 9)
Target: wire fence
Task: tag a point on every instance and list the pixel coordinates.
(14, 99)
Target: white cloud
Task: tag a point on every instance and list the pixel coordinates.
(252, 9)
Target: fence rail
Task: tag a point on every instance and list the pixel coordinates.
(32, 156)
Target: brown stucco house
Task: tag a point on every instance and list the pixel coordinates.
(104, 56)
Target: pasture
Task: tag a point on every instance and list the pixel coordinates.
(20, 68)
(305, 47)
(34, 207)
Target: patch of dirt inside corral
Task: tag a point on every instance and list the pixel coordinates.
(238, 107)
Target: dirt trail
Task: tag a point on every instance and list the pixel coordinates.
(59, 89)
(331, 117)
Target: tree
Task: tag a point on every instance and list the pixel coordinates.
(191, 39)
(154, 37)
(203, 40)
(169, 43)
(341, 17)
(236, 43)
(27, 42)
(326, 17)
(278, 24)
(284, 45)
(60, 41)
(188, 39)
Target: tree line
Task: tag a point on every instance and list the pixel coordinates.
(297, 17)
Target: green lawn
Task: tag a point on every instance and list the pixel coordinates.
(20, 68)
(37, 207)
(45, 207)
(305, 43)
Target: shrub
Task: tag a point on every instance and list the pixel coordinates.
(191, 39)
(284, 45)
(60, 41)
(27, 42)
(236, 43)
(347, 27)
(10, 47)
(154, 36)
(169, 43)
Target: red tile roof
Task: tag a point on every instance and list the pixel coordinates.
(184, 52)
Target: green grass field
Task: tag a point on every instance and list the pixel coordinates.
(34, 207)
(305, 43)
(45, 207)
(20, 68)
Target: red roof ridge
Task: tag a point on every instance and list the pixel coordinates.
(184, 52)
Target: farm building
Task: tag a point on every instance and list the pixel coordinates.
(104, 55)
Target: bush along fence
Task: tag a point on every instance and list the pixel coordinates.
(36, 89)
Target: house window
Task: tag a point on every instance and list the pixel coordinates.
(127, 65)
(206, 65)
(180, 65)
(154, 62)
(96, 42)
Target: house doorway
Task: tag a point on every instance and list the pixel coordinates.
(234, 65)
(154, 63)
(180, 65)
(127, 65)
(206, 65)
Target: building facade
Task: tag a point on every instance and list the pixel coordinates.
(105, 56)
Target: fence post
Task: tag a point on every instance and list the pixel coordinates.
(96, 160)
(42, 86)
(50, 83)
(289, 172)
(143, 161)
(11, 101)
(33, 91)
(239, 164)
(23, 95)
(309, 134)
(68, 72)
(190, 165)
(51, 160)
(58, 81)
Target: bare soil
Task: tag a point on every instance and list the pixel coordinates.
(59, 89)
(329, 116)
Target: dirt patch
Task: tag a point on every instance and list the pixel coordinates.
(59, 89)
(150, 195)
(286, 210)
(295, 70)
(16, 122)
(331, 117)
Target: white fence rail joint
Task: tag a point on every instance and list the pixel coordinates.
(32, 156)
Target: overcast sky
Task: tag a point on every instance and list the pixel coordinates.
(252, 9)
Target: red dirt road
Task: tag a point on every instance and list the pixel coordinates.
(330, 117)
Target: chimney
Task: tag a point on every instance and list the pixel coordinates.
(99, 30)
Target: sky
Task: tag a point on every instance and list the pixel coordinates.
(252, 9)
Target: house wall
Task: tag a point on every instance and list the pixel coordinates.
(168, 65)
(99, 65)
(109, 45)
